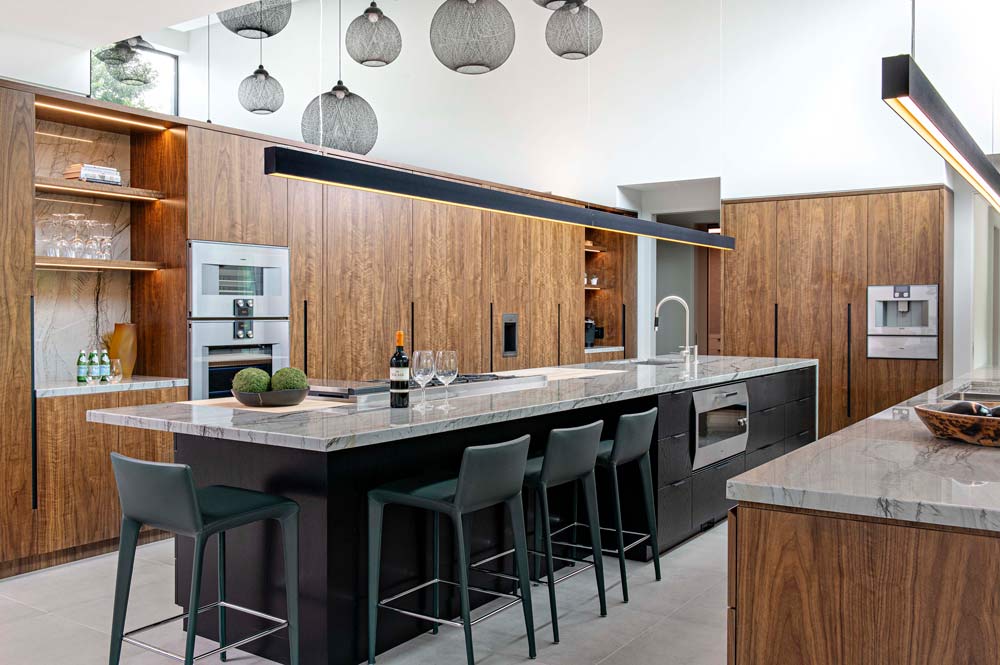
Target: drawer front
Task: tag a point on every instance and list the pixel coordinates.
(765, 454)
(766, 427)
(673, 513)
(674, 458)
(800, 416)
(674, 414)
(768, 391)
(799, 440)
(709, 490)
(802, 383)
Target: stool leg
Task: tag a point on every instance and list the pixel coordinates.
(590, 493)
(375, 509)
(646, 471)
(618, 529)
(516, 508)
(437, 570)
(199, 558)
(536, 536)
(463, 584)
(290, 539)
(543, 494)
(222, 592)
(126, 560)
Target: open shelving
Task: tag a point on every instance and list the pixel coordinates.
(95, 190)
(64, 263)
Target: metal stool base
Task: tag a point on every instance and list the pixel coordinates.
(584, 566)
(281, 623)
(642, 537)
(384, 604)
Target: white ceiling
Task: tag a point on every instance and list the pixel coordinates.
(90, 24)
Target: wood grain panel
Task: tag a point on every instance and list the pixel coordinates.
(147, 444)
(214, 205)
(509, 269)
(848, 357)
(605, 306)
(264, 198)
(368, 284)
(893, 381)
(572, 309)
(48, 559)
(448, 285)
(904, 237)
(308, 277)
(159, 233)
(630, 294)
(804, 282)
(546, 293)
(17, 125)
(750, 278)
(829, 591)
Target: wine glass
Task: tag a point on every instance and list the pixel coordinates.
(59, 245)
(116, 371)
(77, 245)
(423, 372)
(91, 242)
(446, 367)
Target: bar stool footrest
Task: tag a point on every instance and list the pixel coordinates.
(579, 566)
(279, 624)
(515, 599)
(639, 538)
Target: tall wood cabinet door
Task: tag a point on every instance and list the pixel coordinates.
(509, 268)
(572, 308)
(368, 280)
(848, 353)
(77, 496)
(145, 444)
(308, 277)
(17, 251)
(214, 190)
(448, 285)
(545, 297)
(264, 198)
(804, 283)
(630, 294)
(750, 290)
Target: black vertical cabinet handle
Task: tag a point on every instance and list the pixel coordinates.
(305, 337)
(558, 333)
(848, 360)
(34, 410)
(775, 330)
(413, 331)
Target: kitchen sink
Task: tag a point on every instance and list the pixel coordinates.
(978, 391)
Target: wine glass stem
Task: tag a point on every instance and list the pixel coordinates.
(423, 395)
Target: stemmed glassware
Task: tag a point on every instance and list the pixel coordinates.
(104, 234)
(423, 373)
(77, 244)
(446, 368)
(91, 242)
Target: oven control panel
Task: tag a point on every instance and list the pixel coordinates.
(242, 329)
(243, 307)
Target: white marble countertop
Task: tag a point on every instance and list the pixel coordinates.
(72, 387)
(344, 426)
(889, 466)
(603, 349)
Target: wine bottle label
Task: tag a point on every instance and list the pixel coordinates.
(399, 374)
(81, 370)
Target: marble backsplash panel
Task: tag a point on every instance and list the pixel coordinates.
(73, 309)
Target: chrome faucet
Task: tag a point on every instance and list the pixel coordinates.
(687, 350)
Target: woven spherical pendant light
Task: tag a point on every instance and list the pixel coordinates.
(258, 20)
(341, 120)
(261, 93)
(121, 52)
(373, 39)
(574, 31)
(555, 4)
(472, 36)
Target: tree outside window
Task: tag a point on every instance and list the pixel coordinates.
(159, 94)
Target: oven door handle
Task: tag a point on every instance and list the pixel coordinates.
(727, 395)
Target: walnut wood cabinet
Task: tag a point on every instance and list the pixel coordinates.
(306, 236)
(796, 286)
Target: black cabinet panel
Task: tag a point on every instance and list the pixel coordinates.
(674, 414)
(766, 427)
(674, 458)
(799, 440)
(765, 454)
(802, 383)
(673, 513)
(709, 490)
(800, 416)
(765, 392)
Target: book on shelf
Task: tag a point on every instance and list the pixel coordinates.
(92, 173)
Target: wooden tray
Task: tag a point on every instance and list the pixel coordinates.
(233, 403)
(977, 430)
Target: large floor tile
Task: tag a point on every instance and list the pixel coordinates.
(11, 610)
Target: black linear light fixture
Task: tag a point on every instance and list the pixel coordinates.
(328, 170)
(908, 92)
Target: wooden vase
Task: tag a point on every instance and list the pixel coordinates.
(123, 347)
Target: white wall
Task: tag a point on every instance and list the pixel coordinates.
(644, 108)
(45, 62)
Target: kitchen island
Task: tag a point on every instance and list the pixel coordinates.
(328, 458)
(877, 544)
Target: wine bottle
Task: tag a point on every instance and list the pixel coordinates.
(399, 376)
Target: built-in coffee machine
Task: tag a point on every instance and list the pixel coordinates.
(903, 321)
(591, 332)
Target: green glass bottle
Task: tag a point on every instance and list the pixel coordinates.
(81, 367)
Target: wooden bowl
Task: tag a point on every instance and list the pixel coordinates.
(978, 430)
(272, 397)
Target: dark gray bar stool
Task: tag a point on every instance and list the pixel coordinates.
(570, 456)
(164, 497)
(489, 475)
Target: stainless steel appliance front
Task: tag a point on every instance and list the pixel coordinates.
(903, 321)
(229, 280)
(721, 424)
(216, 352)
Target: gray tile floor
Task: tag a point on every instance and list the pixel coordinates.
(61, 616)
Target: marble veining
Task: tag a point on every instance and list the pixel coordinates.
(66, 387)
(890, 466)
(342, 427)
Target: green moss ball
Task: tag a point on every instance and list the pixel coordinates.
(251, 380)
(289, 378)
